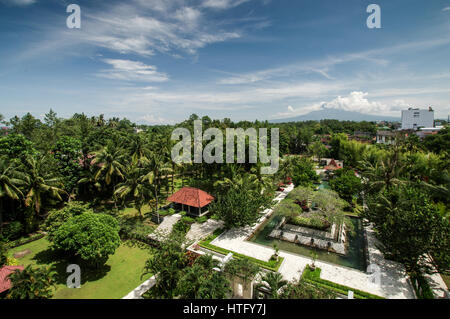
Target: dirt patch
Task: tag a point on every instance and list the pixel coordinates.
(22, 253)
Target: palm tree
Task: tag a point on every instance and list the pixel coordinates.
(385, 173)
(39, 182)
(273, 282)
(9, 184)
(89, 182)
(135, 187)
(139, 151)
(109, 163)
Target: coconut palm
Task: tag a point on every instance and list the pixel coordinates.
(134, 187)
(273, 282)
(39, 182)
(139, 150)
(9, 184)
(385, 173)
(109, 161)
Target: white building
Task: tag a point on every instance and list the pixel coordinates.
(413, 119)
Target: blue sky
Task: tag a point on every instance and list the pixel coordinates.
(158, 61)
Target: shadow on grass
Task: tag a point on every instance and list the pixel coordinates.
(59, 260)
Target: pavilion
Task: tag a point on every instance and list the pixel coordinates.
(333, 165)
(192, 200)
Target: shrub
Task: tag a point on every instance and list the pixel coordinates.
(135, 229)
(25, 240)
(3, 256)
(58, 217)
(12, 230)
(163, 213)
(182, 213)
(188, 220)
(181, 226)
(91, 236)
(32, 283)
(315, 223)
(202, 219)
(215, 217)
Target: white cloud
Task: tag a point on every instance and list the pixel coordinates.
(446, 9)
(222, 4)
(153, 120)
(356, 101)
(323, 66)
(132, 71)
(18, 2)
(141, 28)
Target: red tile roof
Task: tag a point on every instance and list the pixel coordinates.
(5, 271)
(332, 166)
(192, 197)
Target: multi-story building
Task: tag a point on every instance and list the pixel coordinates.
(413, 119)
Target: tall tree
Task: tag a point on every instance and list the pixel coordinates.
(9, 184)
(39, 182)
(109, 164)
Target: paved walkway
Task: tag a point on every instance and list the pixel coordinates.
(393, 283)
(139, 291)
(165, 227)
(199, 231)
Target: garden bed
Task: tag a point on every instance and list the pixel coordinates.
(272, 265)
(313, 277)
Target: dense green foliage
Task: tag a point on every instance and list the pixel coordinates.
(54, 171)
(346, 184)
(167, 263)
(239, 207)
(32, 283)
(91, 236)
(202, 281)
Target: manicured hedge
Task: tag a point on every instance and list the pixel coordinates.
(313, 277)
(272, 265)
(24, 240)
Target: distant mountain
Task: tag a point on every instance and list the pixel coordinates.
(334, 114)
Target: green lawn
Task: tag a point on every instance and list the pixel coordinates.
(120, 275)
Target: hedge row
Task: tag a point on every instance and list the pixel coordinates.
(272, 265)
(313, 277)
(24, 240)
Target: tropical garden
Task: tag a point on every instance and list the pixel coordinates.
(84, 190)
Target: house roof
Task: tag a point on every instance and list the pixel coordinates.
(332, 165)
(5, 271)
(191, 196)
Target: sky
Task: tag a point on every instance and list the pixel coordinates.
(158, 61)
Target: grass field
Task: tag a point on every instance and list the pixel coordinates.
(120, 275)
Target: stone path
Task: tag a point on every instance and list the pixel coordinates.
(438, 286)
(200, 231)
(139, 291)
(165, 227)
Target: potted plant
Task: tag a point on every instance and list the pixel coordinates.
(313, 255)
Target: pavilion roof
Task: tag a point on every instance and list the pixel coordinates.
(191, 196)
